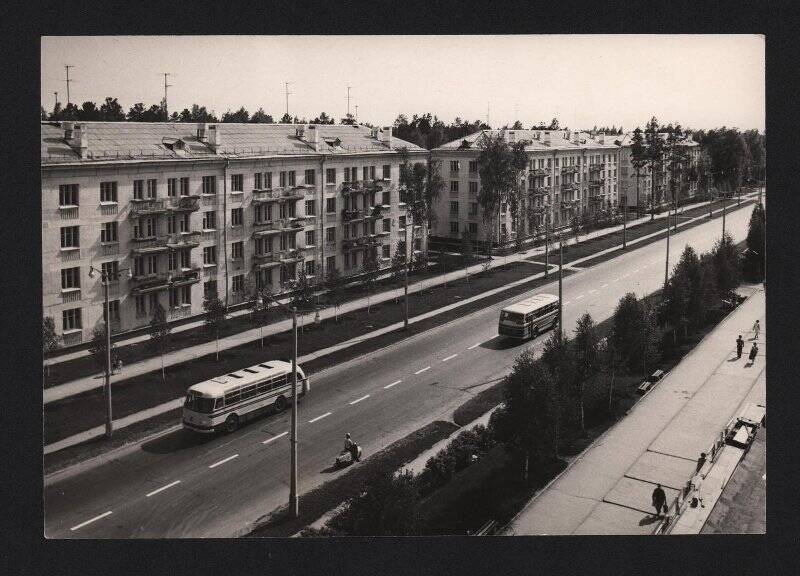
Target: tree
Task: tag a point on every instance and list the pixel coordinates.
(241, 115)
(286, 119)
(259, 301)
(634, 334)
(689, 268)
(98, 346)
(303, 292)
(586, 352)
(50, 339)
(136, 112)
(638, 161)
(399, 262)
(754, 256)
(261, 117)
(676, 304)
(609, 359)
(88, 112)
(517, 125)
(334, 285)
(726, 265)
(558, 355)
(388, 507)
(422, 185)
(215, 317)
(553, 124)
(43, 113)
(160, 335)
(370, 268)
(529, 420)
(323, 118)
(575, 223)
(655, 160)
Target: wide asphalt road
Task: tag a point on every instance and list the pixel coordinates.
(184, 485)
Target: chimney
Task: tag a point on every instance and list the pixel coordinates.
(313, 137)
(79, 141)
(512, 137)
(547, 137)
(68, 128)
(577, 137)
(299, 132)
(374, 132)
(202, 128)
(214, 137)
(386, 136)
(601, 138)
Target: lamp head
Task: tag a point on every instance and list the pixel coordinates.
(130, 273)
(91, 272)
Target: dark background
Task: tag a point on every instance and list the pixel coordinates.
(24, 549)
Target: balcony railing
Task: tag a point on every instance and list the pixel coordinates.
(184, 204)
(596, 167)
(149, 245)
(291, 256)
(350, 215)
(539, 191)
(596, 182)
(146, 207)
(184, 240)
(537, 172)
(569, 204)
(569, 187)
(569, 169)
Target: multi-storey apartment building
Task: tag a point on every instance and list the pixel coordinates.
(653, 190)
(568, 173)
(193, 210)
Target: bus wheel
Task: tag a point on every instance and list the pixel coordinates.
(280, 404)
(232, 423)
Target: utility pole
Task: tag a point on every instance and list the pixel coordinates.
(287, 97)
(294, 503)
(625, 219)
(166, 114)
(546, 243)
(560, 276)
(348, 101)
(67, 67)
(666, 265)
(56, 104)
(488, 107)
(405, 286)
(724, 204)
(356, 114)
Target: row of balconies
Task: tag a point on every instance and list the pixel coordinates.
(364, 241)
(156, 244)
(277, 195)
(149, 206)
(146, 283)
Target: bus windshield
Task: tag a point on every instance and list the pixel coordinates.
(199, 404)
(513, 317)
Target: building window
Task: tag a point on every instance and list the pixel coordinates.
(503, 207)
(473, 208)
(152, 264)
(309, 267)
(311, 177)
(141, 305)
(237, 216)
(473, 166)
(237, 250)
(310, 239)
(330, 176)
(282, 179)
(291, 178)
(386, 199)
(347, 175)
(113, 308)
(365, 173)
(401, 221)
(209, 184)
(257, 180)
(473, 187)
(209, 220)
(108, 233)
(70, 237)
(330, 234)
(172, 220)
(385, 251)
(453, 185)
(347, 260)
(68, 195)
(71, 319)
(387, 171)
(372, 172)
(268, 180)
(238, 283)
(455, 166)
(172, 261)
(108, 191)
(473, 228)
(311, 207)
(152, 185)
(184, 186)
(237, 182)
(172, 187)
(110, 270)
(330, 205)
(330, 263)
(210, 255)
(70, 278)
(453, 227)
(138, 189)
(387, 224)
(454, 208)
(209, 289)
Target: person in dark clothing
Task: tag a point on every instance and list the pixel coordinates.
(351, 447)
(739, 346)
(753, 353)
(659, 500)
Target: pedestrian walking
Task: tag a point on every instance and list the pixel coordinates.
(659, 500)
(756, 330)
(753, 353)
(739, 346)
(702, 460)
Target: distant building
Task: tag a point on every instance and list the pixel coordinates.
(195, 210)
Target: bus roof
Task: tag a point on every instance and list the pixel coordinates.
(530, 304)
(220, 385)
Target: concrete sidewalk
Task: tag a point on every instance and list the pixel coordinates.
(607, 489)
(95, 381)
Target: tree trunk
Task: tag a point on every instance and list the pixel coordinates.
(163, 374)
(217, 342)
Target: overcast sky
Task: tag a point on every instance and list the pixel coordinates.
(701, 81)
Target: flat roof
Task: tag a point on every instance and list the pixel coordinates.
(220, 385)
(531, 303)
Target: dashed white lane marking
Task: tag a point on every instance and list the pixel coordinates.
(423, 370)
(228, 459)
(319, 417)
(579, 297)
(604, 285)
(591, 291)
(449, 357)
(364, 397)
(281, 435)
(395, 383)
(82, 524)
(567, 302)
(474, 346)
(162, 488)
(616, 280)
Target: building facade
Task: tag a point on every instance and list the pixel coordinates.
(568, 174)
(194, 210)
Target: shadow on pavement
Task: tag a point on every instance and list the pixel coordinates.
(502, 343)
(649, 519)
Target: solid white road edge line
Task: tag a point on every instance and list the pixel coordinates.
(449, 357)
(423, 370)
(281, 435)
(396, 382)
(319, 417)
(364, 397)
(162, 488)
(222, 461)
(82, 524)
(474, 346)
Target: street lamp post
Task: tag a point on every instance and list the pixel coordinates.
(560, 275)
(105, 279)
(546, 243)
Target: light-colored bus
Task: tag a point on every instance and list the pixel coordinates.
(528, 318)
(224, 402)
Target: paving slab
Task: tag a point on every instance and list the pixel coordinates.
(612, 519)
(636, 494)
(662, 469)
(571, 510)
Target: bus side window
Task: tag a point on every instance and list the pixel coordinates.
(279, 381)
(219, 403)
(262, 387)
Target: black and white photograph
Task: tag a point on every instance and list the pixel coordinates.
(309, 286)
